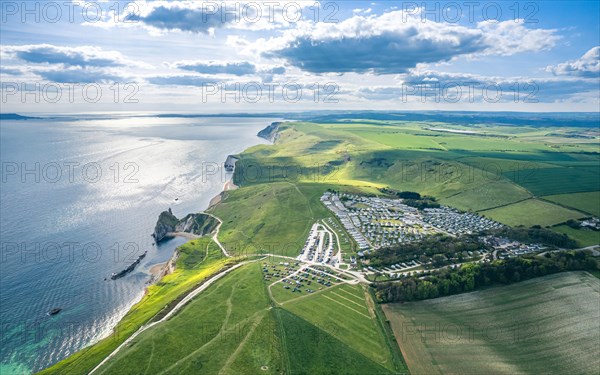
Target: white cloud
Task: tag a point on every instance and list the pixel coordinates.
(587, 66)
(205, 17)
(395, 42)
(510, 37)
(82, 64)
(427, 85)
(83, 56)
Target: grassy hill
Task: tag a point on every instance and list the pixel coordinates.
(235, 328)
(499, 168)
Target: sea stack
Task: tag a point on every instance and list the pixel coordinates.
(166, 224)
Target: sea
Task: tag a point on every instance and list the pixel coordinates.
(80, 196)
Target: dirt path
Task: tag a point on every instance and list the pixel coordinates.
(177, 307)
(232, 357)
(221, 331)
(215, 236)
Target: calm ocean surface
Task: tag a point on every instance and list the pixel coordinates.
(79, 200)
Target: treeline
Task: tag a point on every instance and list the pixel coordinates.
(421, 204)
(439, 244)
(413, 199)
(537, 234)
(474, 276)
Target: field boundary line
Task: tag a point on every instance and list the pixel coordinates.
(508, 204)
(564, 206)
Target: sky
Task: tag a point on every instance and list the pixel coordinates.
(284, 56)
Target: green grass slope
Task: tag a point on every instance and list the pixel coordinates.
(233, 328)
(273, 217)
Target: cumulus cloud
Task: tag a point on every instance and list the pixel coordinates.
(205, 17)
(13, 71)
(223, 69)
(588, 66)
(77, 75)
(182, 80)
(83, 57)
(84, 64)
(395, 42)
(180, 16)
(237, 68)
(512, 37)
(426, 85)
(275, 70)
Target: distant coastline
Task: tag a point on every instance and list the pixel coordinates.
(158, 271)
(14, 116)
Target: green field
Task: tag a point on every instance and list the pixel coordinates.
(209, 334)
(548, 181)
(272, 218)
(545, 325)
(340, 307)
(584, 237)
(532, 212)
(587, 202)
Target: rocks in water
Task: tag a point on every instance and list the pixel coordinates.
(54, 311)
(199, 224)
(270, 133)
(129, 269)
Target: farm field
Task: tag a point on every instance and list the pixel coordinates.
(559, 180)
(345, 306)
(314, 351)
(587, 202)
(532, 212)
(551, 322)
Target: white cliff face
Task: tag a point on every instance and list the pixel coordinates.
(199, 224)
(270, 133)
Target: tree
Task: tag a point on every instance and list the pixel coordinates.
(439, 260)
